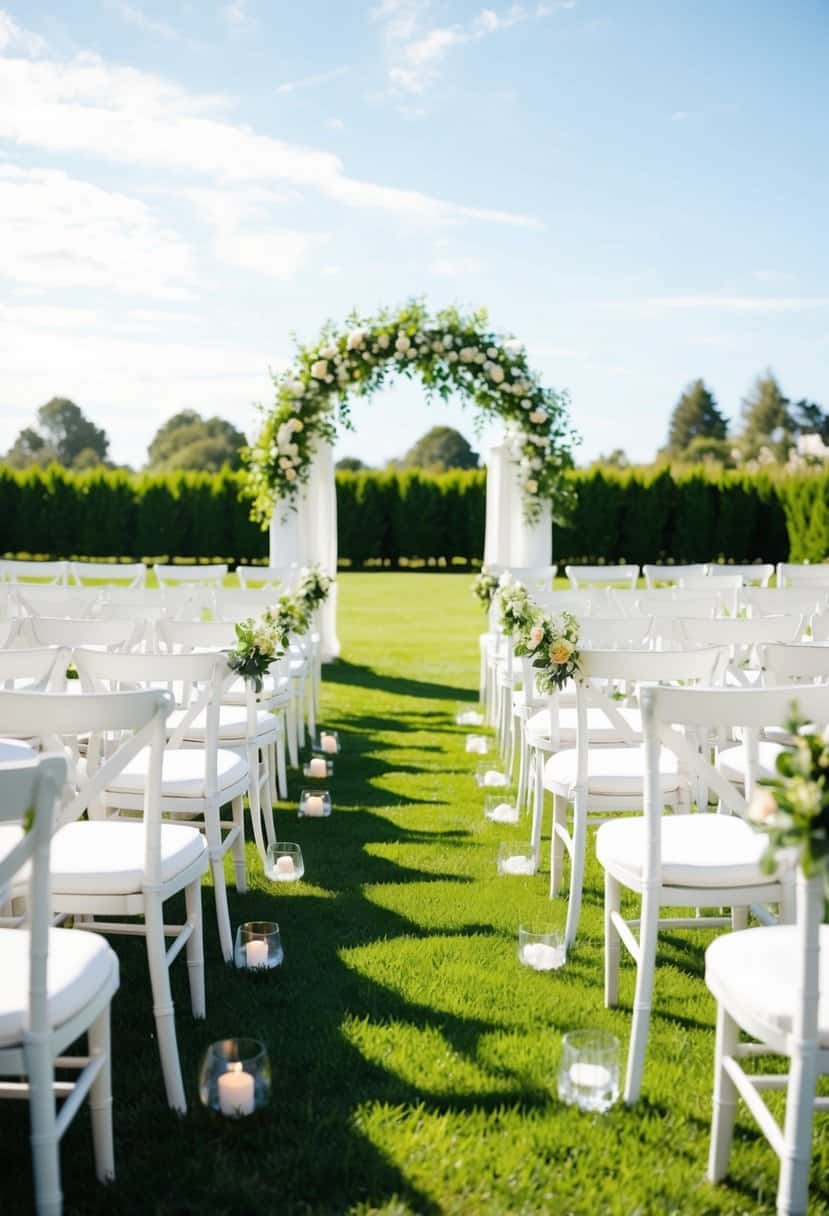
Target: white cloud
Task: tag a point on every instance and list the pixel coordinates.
(309, 82)
(714, 303)
(416, 53)
(13, 38)
(235, 13)
(130, 14)
(455, 268)
(60, 232)
(136, 118)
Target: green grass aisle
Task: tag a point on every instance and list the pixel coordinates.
(414, 1058)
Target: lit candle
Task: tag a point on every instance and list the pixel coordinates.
(477, 744)
(314, 805)
(518, 865)
(329, 744)
(590, 1076)
(256, 954)
(318, 767)
(236, 1089)
(285, 867)
(542, 957)
(503, 813)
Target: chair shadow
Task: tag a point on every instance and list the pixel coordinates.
(360, 676)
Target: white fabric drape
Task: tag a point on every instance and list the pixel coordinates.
(509, 539)
(308, 536)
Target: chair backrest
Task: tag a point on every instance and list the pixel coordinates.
(660, 575)
(118, 726)
(701, 583)
(768, 601)
(46, 600)
(803, 574)
(533, 577)
(109, 634)
(677, 605)
(29, 790)
(46, 572)
(791, 663)
(677, 718)
(614, 633)
(757, 573)
(740, 632)
(206, 575)
(34, 669)
(234, 604)
(578, 602)
(266, 576)
(603, 576)
(134, 574)
(184, 636)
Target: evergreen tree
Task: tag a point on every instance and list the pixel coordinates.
(695, 415)
(766, 410)
(70, 432)
(441, 448)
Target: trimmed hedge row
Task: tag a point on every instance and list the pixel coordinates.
(394, 518)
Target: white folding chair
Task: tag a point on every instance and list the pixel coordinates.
(600, 776)
(76, 602)
(57, 985)
(656, 575)
(740, 637)
(101, 634)
(196, 781)
(602, 576)
(264, 577)
(109, 867)
(133, 574)
(700, 860)
(803, 574)
(56, 573)
(208, 575)
(773, 984)
(769, 601)
(752, 573)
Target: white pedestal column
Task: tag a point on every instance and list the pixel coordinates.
(509, 539)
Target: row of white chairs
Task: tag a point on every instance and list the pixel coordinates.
(788, 574)
(598, 755)
(134, 574)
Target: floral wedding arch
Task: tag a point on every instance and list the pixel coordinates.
(450, 352)
(290, 478)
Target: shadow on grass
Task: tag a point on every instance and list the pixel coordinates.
(360, 676)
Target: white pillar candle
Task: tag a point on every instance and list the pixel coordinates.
(542, 957)
(477, 744)
(285, 867)
(236, 1090)
(494, 778)
(256, 954)
(314, 805)
(318, 767)
(518, 865)
(503, 813)
(590, 1076)
(329, 744)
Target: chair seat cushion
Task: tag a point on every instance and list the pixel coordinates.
(80, 964)
(731, 761)
(611, 771)
(106, 857)
(601, 731)
(233, 723)
(182, 773)
(697, 850)
(754, 972)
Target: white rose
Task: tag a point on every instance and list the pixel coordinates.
(284, 462)
(296, 425)
(294, 387)
(355, 339)
(383, 341)
(329, 379)
(328, 352)
(762, 807)
(497, 373)
(290, 474)
(448, 340)
(403, 343)
(453, 356)
(420, 339)
(411, 354)
(437, 347)
(366, 356)
(492, 352)
(513, 347)
(468, 354)
(536, 634)
(532, 486)
(319, 370)
(538, 416)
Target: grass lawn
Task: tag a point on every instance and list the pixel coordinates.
(414, 1059)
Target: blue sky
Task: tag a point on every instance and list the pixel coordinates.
(637, 190)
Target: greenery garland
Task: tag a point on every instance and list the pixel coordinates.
(451, 352)
(549, 639)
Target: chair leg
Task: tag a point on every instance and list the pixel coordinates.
(240, 866)
(739, 918)
(195, 950)
(44, 1136)
(522, 769)
(725, 1097)
(213, 832)
(293, 739)
(281, 772)
(557, 845)
(612, 903)
(577, 858)
(100, 1099)
(538, 806)
(793, 1185)
(165, 1024)
(312, 709)
(642, 999)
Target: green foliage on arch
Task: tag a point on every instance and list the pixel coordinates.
(451, 352)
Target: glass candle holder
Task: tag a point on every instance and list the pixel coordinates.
(314, 804)
(235, 1077)
(258, 946)
(501, 808)
(284, 862)
(541, 949)
(515, 858)
(488, 776)
(328, 742)
(318, 768)
(477, 745)
(468, 714)
(588, 1075)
